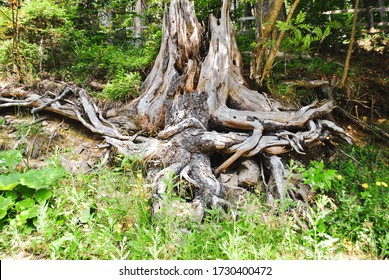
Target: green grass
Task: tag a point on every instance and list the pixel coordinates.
(362, 197)
(106, 214)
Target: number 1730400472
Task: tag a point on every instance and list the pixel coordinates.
(231, 270)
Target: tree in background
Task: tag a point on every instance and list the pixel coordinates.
(351, 44)
(269, 12)
(37, 30)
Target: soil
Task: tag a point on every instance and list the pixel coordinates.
(366, 97)
(50, 137)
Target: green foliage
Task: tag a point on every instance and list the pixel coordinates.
(362, 197)
(317, 177)
(352, 203)
(106, 214)
(246, 42)
(340, 24)
(204, 8)
(34, 128)
(71, 39)
(9, 160)
(44, 13)
(301, 35)
(133, 165)
(42, 27)
(40, 179)
(350, 210)
(22, 193)
(108, 61)
(9, 182)
(123, 87)
(318, 242)
(315, 67)
(102, 43)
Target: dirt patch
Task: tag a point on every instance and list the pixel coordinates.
(48, 138)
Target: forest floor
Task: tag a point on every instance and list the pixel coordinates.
(41, 137)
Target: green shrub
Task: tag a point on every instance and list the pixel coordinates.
(42, 27)
(94, 61)
(317, 177)
(350, 208)
(21, 193)
(302, 35)
(123, 87)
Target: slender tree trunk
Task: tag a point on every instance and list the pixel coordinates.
(276, 47)
(260, 51)
(17, 59)
(15, 36)
(139, 19)
(350, 46)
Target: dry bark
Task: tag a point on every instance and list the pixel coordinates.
(195, 107)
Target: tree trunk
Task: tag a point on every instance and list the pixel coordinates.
(139, 19)
(269, 13)
(274, 50)
(350, 46)
(202, 122)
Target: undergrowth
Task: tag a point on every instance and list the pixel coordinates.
(106, 214)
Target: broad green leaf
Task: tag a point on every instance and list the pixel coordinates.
(42, 195)
(24, 215)
(40, 179)
(6, 203)
(3, 213)
(54, 174)
(11, 195)
(24, 204)
(34, 179)
(9, 182)
(9, 160)
(29, 213)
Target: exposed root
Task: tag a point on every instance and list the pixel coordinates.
(187, 123)
(160, 184)
(243, 147)
(278, 176)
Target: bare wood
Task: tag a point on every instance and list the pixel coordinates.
(40, 108)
